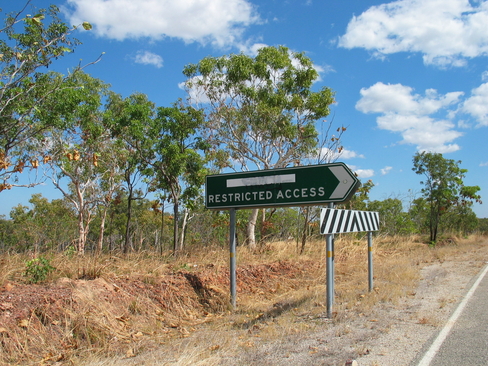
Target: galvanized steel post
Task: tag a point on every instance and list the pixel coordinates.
(330, 270)
(370, 260)
(232, 236)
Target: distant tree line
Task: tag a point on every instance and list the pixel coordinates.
(53, 226)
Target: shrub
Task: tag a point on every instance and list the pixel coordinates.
(38, 269)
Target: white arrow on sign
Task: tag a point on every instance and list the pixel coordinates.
(346, 181)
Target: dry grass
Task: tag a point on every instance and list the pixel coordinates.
(119, 305)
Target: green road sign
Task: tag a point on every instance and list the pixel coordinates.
(306, 185)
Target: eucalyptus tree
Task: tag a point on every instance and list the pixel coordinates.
(176, 160)
(29, 93)
(443, 187)
(260, 111)
(128, 119)
(165, 147)
(84, 160)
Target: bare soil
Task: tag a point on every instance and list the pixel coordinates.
(183, 317)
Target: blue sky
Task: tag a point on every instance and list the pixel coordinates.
(409, 75)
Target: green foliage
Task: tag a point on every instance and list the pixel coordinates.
(261, 111)
(393, 220)
(41, 226)
(483, 225)
(37, 269)
(419, 215)
(360, 198)
(443, 187)
(30, 100)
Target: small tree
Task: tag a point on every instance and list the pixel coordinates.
(443, 187)
(166, 146)
(85, 161)
(127, 120)
(175, 160)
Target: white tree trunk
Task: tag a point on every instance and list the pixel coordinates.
(183, 228)
(102, 230)
(251, 229)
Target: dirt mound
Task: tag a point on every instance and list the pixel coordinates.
(54, 322)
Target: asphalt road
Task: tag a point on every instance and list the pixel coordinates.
(464, 339)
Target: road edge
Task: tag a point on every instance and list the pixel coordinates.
(434, 346)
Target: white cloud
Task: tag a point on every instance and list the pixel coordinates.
(477, 104)
(364, 173)
(484, 76)
(326, 154)
(484, 164)
(384, 98)
(220, 22)
(251, 49)
(409, 114)
(386, 170)
(149, 58)
(349, 154)
(446, 32)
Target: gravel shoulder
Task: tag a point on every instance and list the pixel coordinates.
(392, 334)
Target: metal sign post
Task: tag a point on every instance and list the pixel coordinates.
(232, 239)
(329, 268)
(370, 261)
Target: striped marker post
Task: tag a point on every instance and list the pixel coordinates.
(333, 221)
(348, 221)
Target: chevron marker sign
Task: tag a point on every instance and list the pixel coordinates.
(348, 221)
(304, 185)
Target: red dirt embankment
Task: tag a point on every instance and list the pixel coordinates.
(53, 322)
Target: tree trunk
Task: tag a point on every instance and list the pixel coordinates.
(82, 227)
(81, 235)
(128, 222)
(263, 225)
(306, 219)
(251, 229)
(162, 229)
(176, 248)
(102, 230)
(183, 228)
(434, 223)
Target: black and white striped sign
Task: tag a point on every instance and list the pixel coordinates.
(334, 221)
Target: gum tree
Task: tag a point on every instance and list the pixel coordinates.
(260, 111)
(443, 187)
(127, 119)
(84, 160)
(29, 93)
(176, 159)
(166, 147)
